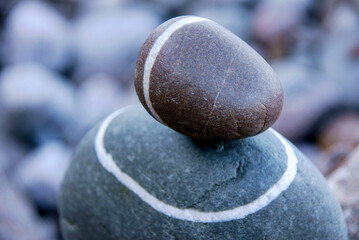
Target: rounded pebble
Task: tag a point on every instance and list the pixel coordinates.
(36, 32)
(138, 179)
(203, 81)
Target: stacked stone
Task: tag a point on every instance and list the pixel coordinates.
(215, 176)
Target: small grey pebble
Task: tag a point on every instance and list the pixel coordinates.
(35, 32)
(38, 103)
(41, 172)
(108, 41)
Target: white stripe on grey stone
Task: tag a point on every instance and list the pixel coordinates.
(194, 215)
(155, 50)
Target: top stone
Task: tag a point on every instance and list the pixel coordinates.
(203, 81)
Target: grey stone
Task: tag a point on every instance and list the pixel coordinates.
(30, 85)
(169, 4)
(108, 41)
(328, 81)
(34, 31)
(341, 19)
(18, 219)
(275, 19)
(341, 66)
(98, 96)
(39, 104)
(11, 152)
(86, 6)
(313, 153)
(41, 172)
(186, 173)
(230, 15)
(300, 114)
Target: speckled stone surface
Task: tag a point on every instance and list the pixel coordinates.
(206, 82)
(191, 174)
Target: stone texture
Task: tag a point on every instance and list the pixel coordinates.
(208, 84)
(187, 173)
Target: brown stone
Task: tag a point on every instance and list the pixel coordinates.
(205, 82)
(343, 129)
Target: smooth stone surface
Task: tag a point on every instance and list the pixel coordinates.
(206, 82)
(186, 173)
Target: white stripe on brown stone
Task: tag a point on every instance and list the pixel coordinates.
(155, 50)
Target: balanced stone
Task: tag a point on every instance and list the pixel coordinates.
(134, 178)
(203, 81)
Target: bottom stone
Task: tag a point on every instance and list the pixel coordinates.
(133, 178)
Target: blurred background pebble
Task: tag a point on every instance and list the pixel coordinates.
(66, 64)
